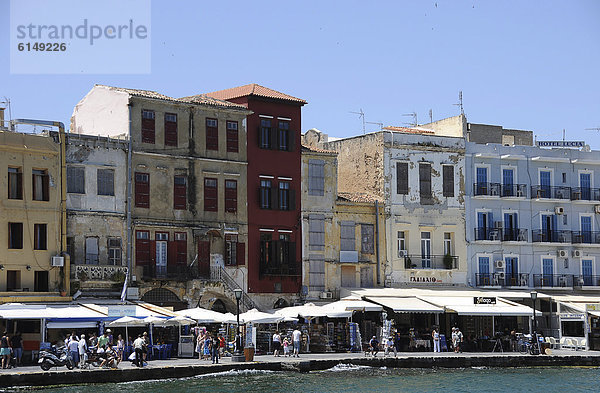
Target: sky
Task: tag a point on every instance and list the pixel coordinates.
(530, 65)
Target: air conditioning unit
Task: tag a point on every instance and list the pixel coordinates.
(499, 264)
(498, 224)
(326, 295)
(559, 210)
(597, 209)
(562, 253)
(57, 261)
(577, 254)
(500, 276)
(402, 253)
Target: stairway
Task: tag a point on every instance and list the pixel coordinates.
(218, 273)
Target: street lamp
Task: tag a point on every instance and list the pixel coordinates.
(238, 356)
(533, 299)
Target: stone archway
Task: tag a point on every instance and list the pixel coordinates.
(219, 306)
(281, 303)
(164, 298)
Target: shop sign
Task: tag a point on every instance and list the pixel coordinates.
(122, 310)
(431, 280)
(575, 144)
(565, 316)
(484, 300)
(592, 307)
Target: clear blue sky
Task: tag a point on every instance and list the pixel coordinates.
(521, 64)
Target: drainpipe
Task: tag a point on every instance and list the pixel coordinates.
(129, 180)
(377, 242)
(63, 189)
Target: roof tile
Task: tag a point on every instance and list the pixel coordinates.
(253, 89)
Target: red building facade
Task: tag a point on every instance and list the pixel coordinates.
(274, 170)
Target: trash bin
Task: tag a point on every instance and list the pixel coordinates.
(249, 354)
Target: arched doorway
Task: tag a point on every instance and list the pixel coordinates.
(219, 306)
(281, 303)
(164, 298)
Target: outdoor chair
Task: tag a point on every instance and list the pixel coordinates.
(562, 342)
(583, 344)
(553, 342)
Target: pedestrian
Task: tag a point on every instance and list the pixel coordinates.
(146, 345)
(138, 346)
(17, 345)
(221, 345)
(94, 340)
(296, 338)
(82, 348)
(120, 347)
(391, 346)
(73, 347)
(103, 340)
(215, 344)
(453, 339)
(276, 343)
(286, 347)
(459, 340)
(5, 350)
(436, 340)
(206, 348)
(199, 345)
(374, 344)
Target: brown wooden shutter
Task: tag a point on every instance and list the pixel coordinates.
(204, 258)
(274, 196)
(291, 140)
(240, 253)
(274, 143)
(171, 252)
(152, 252)
(448, 173)
(292, 200)
(401, 178)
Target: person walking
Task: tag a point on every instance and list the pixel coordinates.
(73, 347)
(221, 345)
(5, 349)
(199, 345)
(436, 340)
(296, 338)
(138, 346)
(214, 349)
(120, 347)
(286, 347)
(17, 345)
(82, 348)
(276, 343)
(459, 340)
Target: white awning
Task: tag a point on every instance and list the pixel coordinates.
(594, 313)
(352, 304)
(406, 304)
(464, 305)
(71, 325)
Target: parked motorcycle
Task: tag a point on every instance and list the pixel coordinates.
(57, 357)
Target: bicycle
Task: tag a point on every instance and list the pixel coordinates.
(525, 347)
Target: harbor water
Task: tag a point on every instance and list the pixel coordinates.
(346, 378)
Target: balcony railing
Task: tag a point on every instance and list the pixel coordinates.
(550, 192)
(174, 272)
(514, 190)
(514, 235)
(585, 194)
(281, 270)
(553, 280)
(551, 236)
(488, 234)
(490, 189)
(98, 272)
(431, 262)
(500, 234)
(587, 281)
(588, 237)
(502, 279)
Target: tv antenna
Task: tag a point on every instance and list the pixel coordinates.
(414, 123)
(460, 103)
(374, 122)
(593, 129)
(361, 116)
(431, 115)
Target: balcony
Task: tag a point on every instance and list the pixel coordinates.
(585, 237)
(502, 279)
(281, 271)
(548, 192)
(513, 190)
(486, 189)
(551, 236)
(493, 234)
(585, 194)
(553, 280)
(587, 281)
(98, 272)
(174, 272)
(514, 235)
(437, 262)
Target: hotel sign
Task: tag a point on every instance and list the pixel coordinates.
(573, 144)
(484, 300)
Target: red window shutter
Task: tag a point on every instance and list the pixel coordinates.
(231, 196)
(210, 195)
(180, 192)
(204, 258)
(148, 130)
(152, 252)
(212, 134)
(170, 133)
(171, 253)
(232, 141)
(181, 252)
(142, 190)
(240, 253)
(142, 251)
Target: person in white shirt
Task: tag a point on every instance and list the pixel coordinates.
(74, 349)
(276, 343)
(82, 345)
(138, 345)
(296, 338)
(436, 340)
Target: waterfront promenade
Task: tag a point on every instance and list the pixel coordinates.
(181, 368)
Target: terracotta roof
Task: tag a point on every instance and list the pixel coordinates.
(200, 100)
(409, 130)
(253, 89)
(318, 150)
(359, 197)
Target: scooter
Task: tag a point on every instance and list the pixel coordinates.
(57, 357)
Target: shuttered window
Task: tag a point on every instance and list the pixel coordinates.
(180, 192)
(264, 134)
(316, 273)
(142, 248)
(212, 134)
(316, 232)
(142, 190)
(367, 238)
(170, 129)
(316, 177)
(231, 196)
(232, 136)
(41, 183)
(181, 248)
(265, 194)
(425, 184)
(347, 236)
(402, 178)
(15, 183)
(105, 182)
(148, 126)
(448, 180)
(210, 195)
(76, 180)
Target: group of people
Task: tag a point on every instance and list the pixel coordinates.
(210, 346)
(108, 350)
(391, 344)
(285, 343)
(11, 347)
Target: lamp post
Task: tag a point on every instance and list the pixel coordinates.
(534, 339)
(238, 356)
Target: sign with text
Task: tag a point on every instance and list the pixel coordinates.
(126, 310)
(484, 300)
(569, 144)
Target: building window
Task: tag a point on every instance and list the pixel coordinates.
(448, 243)
(170, 129)
(71, 248)
(232, 136)
(13, 280)
(40, 283)
(426, 249)
(147, 126)
(284, 135)
(142, 248)
(40, 237)
(448, 180)
(76, 180)
(15, 183)
(41, 182)
(265, 194)
(425, 184)
(401, 244)
(231, 196)
(402, 178)
(284, 195)
(316, 272)
(106, 182)
(91, 250)
(180, 192)
(142, 190)
(347, 236)
(15, 235)
(212, 134)
(316, 177)
(210, 195)
(114, 251)
(231, 243)
(367, 238)
(264, 137)
(181, 248)
(316, 232)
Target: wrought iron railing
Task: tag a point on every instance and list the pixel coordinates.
(587, 281)
(218, 273)
(173, 272)
(551, 236)
(589, 237)
(98, 272)
(502, 279)
(490, 189)
(553, 280)
(551, 192)
(488, 234)
(514, 190)
(514, 235)
(585, 194)
(431, 262)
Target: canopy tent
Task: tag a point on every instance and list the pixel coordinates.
(177, 321)
(127, 321)
(39, 311)
(465, 305)
(202, 315)
(307, 311)
(354, 304)
(336, 310)
(256, 316)
(406, 304)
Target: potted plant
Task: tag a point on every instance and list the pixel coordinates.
(448, 261)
